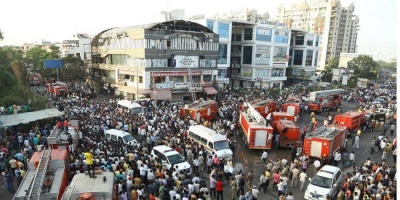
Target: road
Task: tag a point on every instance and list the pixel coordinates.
(247, 160)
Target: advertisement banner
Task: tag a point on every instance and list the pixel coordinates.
(208, 63)
(280, 55)
(159, 62)
(52, 64)
(247, 73)
(186, 61)
(195, 89)
(194, 73)
(263, 54)
(277, 73)
(222, 76)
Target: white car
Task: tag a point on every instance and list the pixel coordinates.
(171, 158)
(324, 183)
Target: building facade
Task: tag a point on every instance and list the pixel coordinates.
(303, 57)
(174, 60)
(259, 55)
(82, 48)
(245, 14)
(337, 25)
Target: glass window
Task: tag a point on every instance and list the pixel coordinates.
(298, 57)
(262, 55)
(316, 59)
(223, 30)
(321, 181)
(280, 54)
(299, 40)
(281, 37)
(290, 56)
(309, 57)
(223, 54)
(238, 37)
(140, 79)
(277, 72)
(316, 40)
(263, 35)
(176, 159)
(247, 54)
(248, 34)
(221, 145)
(207, 78)
(261, 73)
(310, 40)
(210, 25)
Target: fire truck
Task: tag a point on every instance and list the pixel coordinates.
(58, 139)
(351, 119)
(199, 110)
(324, 141)
(292, 106)
(264, 107)
(323, 101)
(57, 88)
(288, 130)
(256, 133)
(46, 176)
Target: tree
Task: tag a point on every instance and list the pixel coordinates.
(364, 67)
(1, 35)
(35, 56)
(73, 70)
(20, 71)
(327, 73)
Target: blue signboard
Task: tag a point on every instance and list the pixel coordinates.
(53, 64)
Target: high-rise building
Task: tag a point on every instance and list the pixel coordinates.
(245, 14)
(337, 25)
(177, 14)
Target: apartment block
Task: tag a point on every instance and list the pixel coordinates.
(245, 14)
(173, 60)
(337, 25)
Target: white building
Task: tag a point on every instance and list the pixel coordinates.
(337, 25)
(82, 48)
(65, 46)
(245, 14)
(345, 58)
(176, 14)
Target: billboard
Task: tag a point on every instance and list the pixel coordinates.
(222, 76)
(263, 54)
(277, 73)
(247, 72)
(52, 64)
(280, 55)
(186, 62)
(208, 63)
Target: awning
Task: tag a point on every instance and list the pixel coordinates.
(210, 90)
(144, 92)
(25, 118)
(164, 94)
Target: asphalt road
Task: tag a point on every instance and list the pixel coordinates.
(247, 160)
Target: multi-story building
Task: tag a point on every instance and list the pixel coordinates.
(176, 14)
(337, 25)
(303, 56)
(245, 14)
(259, 54)
(65, 46)
(82, 48)
(173, 60)
(345, 58)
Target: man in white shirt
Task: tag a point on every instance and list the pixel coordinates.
(337, 158)
(255, 192)
(317, 164)
(351, 158)
(356, 142)
(264, 156)
(303, 177)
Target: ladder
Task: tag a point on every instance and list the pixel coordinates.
(191, 84)
(68, 192)
(36, 188)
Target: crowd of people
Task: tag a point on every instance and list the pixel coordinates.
(138, 175)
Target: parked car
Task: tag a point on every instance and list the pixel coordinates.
(324, 183)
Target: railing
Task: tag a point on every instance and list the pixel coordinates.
(43, 175)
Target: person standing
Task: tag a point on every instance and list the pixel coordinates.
(255, 192)
(250, 177)
(392, 128)
(337, 158)
(351, 158)
(9, 182)
(213, 186)
(233, 187)
(317, 164)
(89, 162)
(345, 158)
(394, 155)
(264, 156)
(356, 142)
(219, 186)
(263, 183)
(280, 187)
(303, 177)
(295, 176)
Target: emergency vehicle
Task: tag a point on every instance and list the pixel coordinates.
(351, 119)
(292, 106)
(199, 110)
(46, 176)
(57, 88)
(288, 130)
(256, 133)
(58, 138)
(324, 141)
(323, 101)
(264, 107)
(83, 187)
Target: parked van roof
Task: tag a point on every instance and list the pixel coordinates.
(117, 132)
(128, 104)
(207, 133)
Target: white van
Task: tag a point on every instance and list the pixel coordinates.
(324, 183)
(118, 135)
(171, 158)
(129, 106)
(211, 141)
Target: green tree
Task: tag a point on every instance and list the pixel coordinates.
(364, 67)
(327, 73)
(73, 70)
(35, 56)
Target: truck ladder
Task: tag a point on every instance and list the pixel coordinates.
(191, 84)
(41, 170)
(68, 192)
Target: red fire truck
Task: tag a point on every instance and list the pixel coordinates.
(292, 106)
(199, 110)
(58, 139)
(256, 133)
(265, 107)
(323, 101)
(324, 141)
(289, 132)
(351, 119)
(57, 88)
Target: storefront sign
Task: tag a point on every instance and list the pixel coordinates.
(195, 89)
(208, 72)
(223, 80)
(186, 61)
(195, 73)
(247, 72)
(182, 85)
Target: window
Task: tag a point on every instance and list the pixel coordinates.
(310, 40)
(263, 35)
(210, 25)
(280, 54)
(309, 57)
(116, 59)
(210, 144)
(223, 30)
(159, 79)
(140, 79)
(281, 37)
(248, 34)
(238, 37)
(223, 54)
(247, 54)
(299, 40)
(203, 140)
(127, 76)
(316, 59)
(337, 176)
(298, 57)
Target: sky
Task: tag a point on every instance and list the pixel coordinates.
(27, 21)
